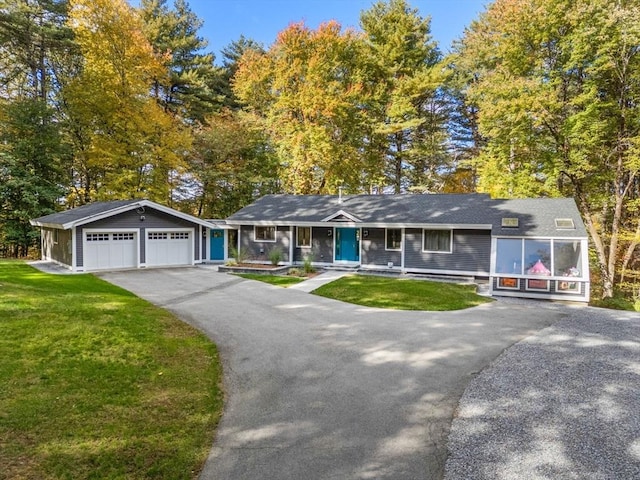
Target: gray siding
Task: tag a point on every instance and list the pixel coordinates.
(374, 252)
(322, 250)
(131, 219)
(60, 251)
(471, 252)
(321, 246)
(259, 251)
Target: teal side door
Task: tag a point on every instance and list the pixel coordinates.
(348, 244)
(216, 251)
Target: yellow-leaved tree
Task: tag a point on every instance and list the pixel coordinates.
(308, 91)
(125, 144)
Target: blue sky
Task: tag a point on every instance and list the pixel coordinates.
(261, 20)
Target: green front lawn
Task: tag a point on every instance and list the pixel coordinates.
(401, 294)
(97, 383)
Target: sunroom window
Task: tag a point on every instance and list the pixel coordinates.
(539, 257)
(567, 257)
(509, 255)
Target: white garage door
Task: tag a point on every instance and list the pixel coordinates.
(109, 250)
(169, 248)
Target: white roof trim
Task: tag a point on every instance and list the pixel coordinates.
(339, 213)
(451, 226)
(126, 208)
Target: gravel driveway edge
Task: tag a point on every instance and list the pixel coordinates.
(562, 404)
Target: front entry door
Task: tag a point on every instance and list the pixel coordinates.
(217, 245)
(348, 244)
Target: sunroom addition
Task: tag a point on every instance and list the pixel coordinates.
(550, 265)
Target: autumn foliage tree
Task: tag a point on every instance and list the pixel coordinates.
(125, 144)
(308, 89)
(557, 84)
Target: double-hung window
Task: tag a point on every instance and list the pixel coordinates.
(393, 239)
(437, 241)
(264, 234)
(303, 237)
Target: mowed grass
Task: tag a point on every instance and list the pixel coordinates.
(401, 294)
(279, 280)
(97, 383)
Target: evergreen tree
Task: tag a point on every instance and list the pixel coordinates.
(189, 88)
(408, 106)
(31, 176)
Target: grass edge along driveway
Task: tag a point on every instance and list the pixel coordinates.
(401, 294)
(98, 383)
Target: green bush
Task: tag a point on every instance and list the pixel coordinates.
(307, 265)
(239, 255)
(275, 256)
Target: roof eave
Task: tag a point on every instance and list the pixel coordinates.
(320, 223)
(121, 209)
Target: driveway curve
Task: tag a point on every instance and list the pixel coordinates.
(320, 389)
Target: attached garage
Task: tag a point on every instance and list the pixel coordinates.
(123, 234)
(165, 247)
(108, 250)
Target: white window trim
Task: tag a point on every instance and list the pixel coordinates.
(584, 270)
(386, 243)
(310, 238)
(543, 279)
(500, 287)
(261, 240)
(562, 227)
(569, 292)
(438, 251)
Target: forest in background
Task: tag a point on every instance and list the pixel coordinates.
(100, 100)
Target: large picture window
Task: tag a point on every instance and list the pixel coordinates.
(393, 239)
(509, 255)
(436, 241)
(264, 234)
(539, 258)
(303, 237)
(567, 258)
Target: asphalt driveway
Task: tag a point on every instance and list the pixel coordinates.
(319, 389)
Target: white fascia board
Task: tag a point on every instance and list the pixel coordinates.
(48, 225)
(437, 226)
(539, 237)
(136, 205)
(218, 224)
(339, 213)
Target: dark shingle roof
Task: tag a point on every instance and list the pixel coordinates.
(80, 213)
(536, 216)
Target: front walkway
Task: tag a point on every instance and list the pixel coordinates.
(313, 283)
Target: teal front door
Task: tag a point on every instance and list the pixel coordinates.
(217, 245)
(348, 244)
